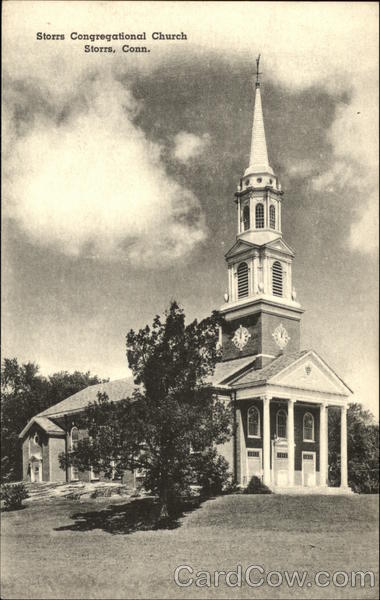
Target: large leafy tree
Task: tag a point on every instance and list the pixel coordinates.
(363, 449)
(172, 421)
(24, 393)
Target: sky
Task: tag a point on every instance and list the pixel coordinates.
(119, 172)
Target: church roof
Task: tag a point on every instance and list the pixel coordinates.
(45, 424)
(284, 369)
(229, 368)
(115, 390)
(48, 425)
(270, 370)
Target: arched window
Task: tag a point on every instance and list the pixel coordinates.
(253, 422)
(242, 277)
(308, 427)
(74, 438)
(277, 278)
(281, 423)
(259, 216)
(272, 217)
(246, 218)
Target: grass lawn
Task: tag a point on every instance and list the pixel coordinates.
(70, 549)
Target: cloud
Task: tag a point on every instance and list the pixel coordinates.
(353, 169)
(188, 145)
(302, 168)
(84, 178)
(364, 232)
(301, 59)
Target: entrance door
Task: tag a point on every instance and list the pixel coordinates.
(281, 466)
(254, 464)
(308, 469)
(36, 471)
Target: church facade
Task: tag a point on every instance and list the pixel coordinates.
(280, 394)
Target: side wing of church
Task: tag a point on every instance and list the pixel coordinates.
(280, 394)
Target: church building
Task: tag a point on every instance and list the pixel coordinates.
(280, 394)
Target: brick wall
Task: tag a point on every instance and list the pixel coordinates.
(261, 327)
(269, 323)
(301, 446)
(252, 323)
(275, 406)
(56, 446)
(25, 459)
(244, 407)
(45, 458)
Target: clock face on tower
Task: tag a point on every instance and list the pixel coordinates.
(281, 336)
(241, 337)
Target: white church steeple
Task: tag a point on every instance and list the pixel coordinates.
(258, 162)
(260, 262)
(259, 194)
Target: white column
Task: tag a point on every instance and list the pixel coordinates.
(265, 274)
(238, 212)
(343, 447)
(234, 284)
(323, 445)
(252, 277)
(255, 274)
(291, 441)
(243, 451)
(266, 440)
(230, 279)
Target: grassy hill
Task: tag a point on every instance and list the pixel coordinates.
(71, 549)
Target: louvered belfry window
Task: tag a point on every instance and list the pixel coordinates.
(242, 280)
(259, 216)
(272, 217)
(277, 279)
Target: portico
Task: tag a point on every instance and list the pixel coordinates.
(282, 423)
(279, 452)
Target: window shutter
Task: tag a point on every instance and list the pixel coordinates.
(242, 274)
(277, 279)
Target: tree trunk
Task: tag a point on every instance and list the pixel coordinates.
(164, 512)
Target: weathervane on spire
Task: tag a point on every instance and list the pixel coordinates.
(258, 72)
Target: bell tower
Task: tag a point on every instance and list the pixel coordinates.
(261, 313)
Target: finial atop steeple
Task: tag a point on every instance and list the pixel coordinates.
(258, 162)
(258, 73)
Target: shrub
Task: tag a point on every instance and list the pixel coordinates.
(212, 473)
(256, 486)
(13, 494)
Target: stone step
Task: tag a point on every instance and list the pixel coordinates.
(309, 491)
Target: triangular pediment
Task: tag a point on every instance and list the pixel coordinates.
(281, 246)
(238, 248)
(310, 373)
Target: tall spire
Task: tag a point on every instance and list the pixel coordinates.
(258, 162)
